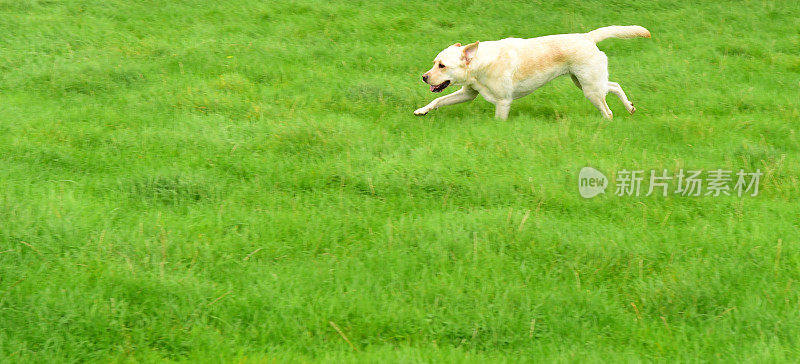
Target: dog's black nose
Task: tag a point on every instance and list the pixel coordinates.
(425, 77)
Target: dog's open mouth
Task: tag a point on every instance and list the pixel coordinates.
(440, 87)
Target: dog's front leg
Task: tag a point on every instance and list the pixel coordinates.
(502, 107)
(463, 95)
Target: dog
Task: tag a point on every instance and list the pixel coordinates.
(508, 69)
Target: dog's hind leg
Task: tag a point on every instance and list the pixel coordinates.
(616, 89)
(598, 99)
(596, 93)
(592, 75)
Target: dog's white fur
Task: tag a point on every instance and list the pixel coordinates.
(508, 69)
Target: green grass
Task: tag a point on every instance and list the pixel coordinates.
(219, 181)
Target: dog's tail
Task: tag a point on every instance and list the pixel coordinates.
(618, 31)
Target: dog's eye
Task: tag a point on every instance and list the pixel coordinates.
(441, 65)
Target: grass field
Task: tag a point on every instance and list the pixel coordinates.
(245, 181)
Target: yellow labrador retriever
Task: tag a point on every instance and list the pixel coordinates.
(508, 69)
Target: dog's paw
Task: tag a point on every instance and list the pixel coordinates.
(421, 111)
(632, 109)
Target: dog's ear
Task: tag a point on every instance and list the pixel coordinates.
(457, 45)
(469, 52)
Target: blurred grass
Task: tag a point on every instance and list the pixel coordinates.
(220, 181)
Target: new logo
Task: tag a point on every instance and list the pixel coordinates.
(591, 182)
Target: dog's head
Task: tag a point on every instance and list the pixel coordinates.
(450, 66)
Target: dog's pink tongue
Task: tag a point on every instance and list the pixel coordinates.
(433, 88)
